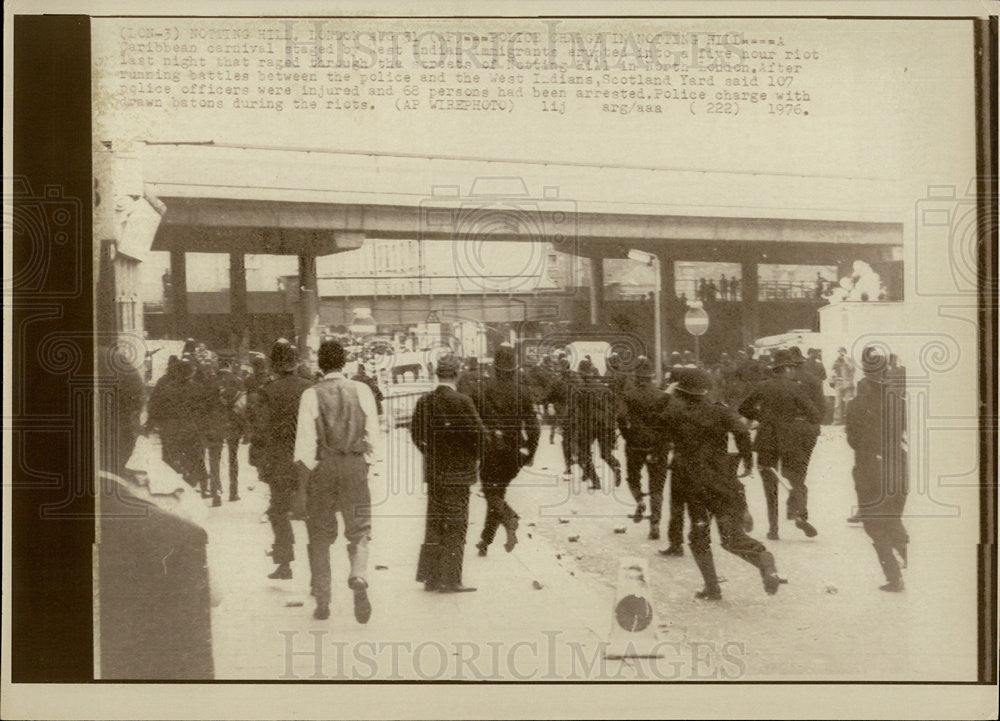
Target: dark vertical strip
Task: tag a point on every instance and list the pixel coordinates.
(52, 295)
(986, 170)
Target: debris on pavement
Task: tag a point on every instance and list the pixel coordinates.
(536, 585)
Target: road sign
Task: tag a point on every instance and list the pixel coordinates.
(696, 321)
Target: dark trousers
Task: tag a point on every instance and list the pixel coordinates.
(791, 450)
(441, 555)
(881, 499)
(233, 446)
(339, 483)
(729, 519)
(282, 480)
(191, 454)
(585, 457)
(656, 468)
(496, 476)
(675, 527)
(566, 442)
(214, 447)
(171, 451)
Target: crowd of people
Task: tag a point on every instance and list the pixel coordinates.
(313, 437)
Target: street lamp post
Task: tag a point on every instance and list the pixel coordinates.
(524, 307)
(654, 260)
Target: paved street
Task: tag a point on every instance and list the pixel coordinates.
(829, 622)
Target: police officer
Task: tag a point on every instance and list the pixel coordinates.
(448, 432)
(164, 414)
(593, 415)
(789, 425)
(643, 446)
(619, 377)
(704, 475)
(559, 394)
(512, 433)
(471, 380)
(272, 414)
(876, 430)
(807, 378)
(372, 382)
(215, 420)
(233, 393)
(198, 400)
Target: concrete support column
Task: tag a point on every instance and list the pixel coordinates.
(750, 307)
(238, 313)
(596, 290)
(668, 305)
(308, 307)
(178, 279)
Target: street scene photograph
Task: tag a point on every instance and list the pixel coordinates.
(535, 350)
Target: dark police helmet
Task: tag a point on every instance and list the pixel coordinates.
(873, 360)
(284, 356)
(782, 359)
(643, 368)
(505, 358)
(693, 381)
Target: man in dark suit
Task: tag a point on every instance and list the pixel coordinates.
(512, 433)
(272, 414)
(789, 425)
(448, 431)
(876, 430)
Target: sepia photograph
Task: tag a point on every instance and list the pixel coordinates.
(510, 347)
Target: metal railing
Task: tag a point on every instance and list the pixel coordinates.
(398, 405)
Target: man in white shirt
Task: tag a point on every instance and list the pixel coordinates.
(335, 442)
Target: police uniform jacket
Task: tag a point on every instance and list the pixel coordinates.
(700, 436)
(448, 431)
(272, 414)
(637, 422)
(876, 430)
(812, 385)
(510, 421)
(785, 412)
(593, 409)
(165, 410)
